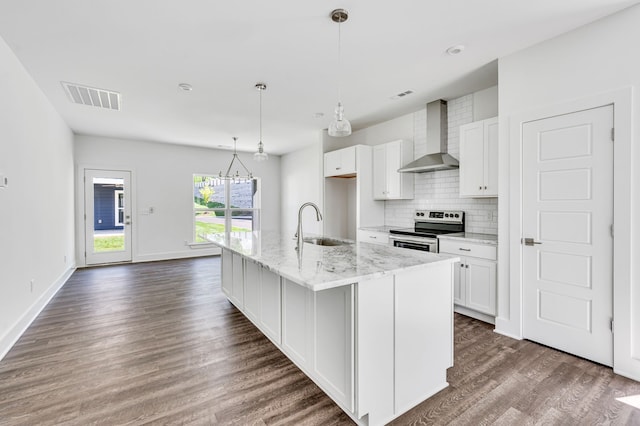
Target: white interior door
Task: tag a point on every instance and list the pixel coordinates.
(107, 207)
(567, 206)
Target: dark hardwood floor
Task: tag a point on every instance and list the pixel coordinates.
(157, 343)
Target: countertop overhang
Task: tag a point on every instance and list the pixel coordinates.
(321, 267)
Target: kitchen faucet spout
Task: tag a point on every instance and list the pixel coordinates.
(299, 231)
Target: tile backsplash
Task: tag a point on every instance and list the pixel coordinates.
(440, 190)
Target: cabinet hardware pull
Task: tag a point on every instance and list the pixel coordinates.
(371, 236)
(462, 265)
(338, 168)
(480, 187)
(485, 187)
(464, 249)
(466, 266)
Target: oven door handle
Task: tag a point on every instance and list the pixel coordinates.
(397, 237)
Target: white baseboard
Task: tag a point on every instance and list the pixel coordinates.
(197, 252)
(474, 314)
(10, 339)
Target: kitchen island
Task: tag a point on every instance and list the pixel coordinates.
(371, 325)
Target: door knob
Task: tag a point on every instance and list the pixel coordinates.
(529, 241)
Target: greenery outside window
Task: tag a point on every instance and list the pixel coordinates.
(221, 205)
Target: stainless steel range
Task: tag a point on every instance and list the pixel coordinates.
(428, 225)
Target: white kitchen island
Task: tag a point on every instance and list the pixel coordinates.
(371, 325)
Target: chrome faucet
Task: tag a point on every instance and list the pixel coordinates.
(299, 232)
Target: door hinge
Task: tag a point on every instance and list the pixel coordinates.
(613, 134)
(611, 326)
(611, 229)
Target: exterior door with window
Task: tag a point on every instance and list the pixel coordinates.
(567, 214)
(107, 199)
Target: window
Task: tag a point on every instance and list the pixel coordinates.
(220, 205)
(119, 207)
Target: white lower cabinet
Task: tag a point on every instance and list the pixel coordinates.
(475, 281)
(297, 326)
(333, 330)
(227, 273)
(237, 283)
(373, 237)
(270, 308)
(233, 278)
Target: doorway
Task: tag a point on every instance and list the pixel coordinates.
(107, 216)
(567, 222)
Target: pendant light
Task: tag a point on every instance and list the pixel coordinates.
(237, 177)
(260, 155)
(340, 126)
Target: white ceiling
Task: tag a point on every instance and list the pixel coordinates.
(145, 48)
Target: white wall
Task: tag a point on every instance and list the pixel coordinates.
(301, 181)
(583, 68)
(162, 178)
(36, 208)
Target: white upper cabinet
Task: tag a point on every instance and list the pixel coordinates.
(341, 162)
(479, 159)
(388, 184)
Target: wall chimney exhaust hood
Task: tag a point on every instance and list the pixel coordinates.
(437, 158)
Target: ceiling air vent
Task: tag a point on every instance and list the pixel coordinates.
(85, 95)
(401, 94)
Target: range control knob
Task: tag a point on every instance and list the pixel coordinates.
(457, 215)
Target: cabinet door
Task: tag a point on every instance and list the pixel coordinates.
(297, 327)
(491, 157)
(379, 172)
(332, 163)
(334, 331)
(340, 162)
(459, 282)
(393, 163)
(481, 285)
(471, 159)
(227, 273)
(237, 290)
(252, 284)
(270, 305)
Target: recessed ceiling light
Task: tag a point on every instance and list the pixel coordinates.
(454, 50)
(185, 86)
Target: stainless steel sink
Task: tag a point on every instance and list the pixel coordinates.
(325, 242)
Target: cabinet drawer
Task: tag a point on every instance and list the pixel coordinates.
(373, 237)
(483, 251)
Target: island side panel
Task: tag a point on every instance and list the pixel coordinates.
(423, 334)
(375, 349)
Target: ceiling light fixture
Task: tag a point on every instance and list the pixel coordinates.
(340, 126)
(454, 50)
(260, 155)
(236, 176)
(185, 86)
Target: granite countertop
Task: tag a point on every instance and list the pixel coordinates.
(471, 237)
(321, 267)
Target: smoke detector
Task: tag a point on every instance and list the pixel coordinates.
(92, 96)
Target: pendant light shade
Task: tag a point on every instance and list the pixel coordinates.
(340, 126)
(260, 155)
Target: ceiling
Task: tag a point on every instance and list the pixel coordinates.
(145, 48)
